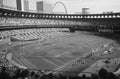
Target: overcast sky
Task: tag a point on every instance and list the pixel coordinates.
(96, 6)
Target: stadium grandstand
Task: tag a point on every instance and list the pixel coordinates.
(59, 46)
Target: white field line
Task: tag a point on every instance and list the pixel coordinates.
(26, 61)
(57, 60)
(47, 60)
(69, 63)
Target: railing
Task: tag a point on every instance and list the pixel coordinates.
(21, 14)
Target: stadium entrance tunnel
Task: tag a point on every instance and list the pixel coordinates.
(72, 29)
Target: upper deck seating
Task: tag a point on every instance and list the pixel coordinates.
(7, 21)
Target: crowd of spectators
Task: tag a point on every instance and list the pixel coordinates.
(31, 34)
(7, 71)
(84, 59)
(3, 61)
(28, 74)
(6, 21)
(16, 73)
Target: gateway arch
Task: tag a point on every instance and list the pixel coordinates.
(59, 2)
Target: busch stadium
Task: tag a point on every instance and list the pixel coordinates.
(40, 41)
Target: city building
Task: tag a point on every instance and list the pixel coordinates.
(108, 12)
(1, 3)
(47, 7)
(77, 13)
(39, 6)
(43, 7)
(22, 5)
(19, 4)
(8, 4)
(26, 5)
(85, 11)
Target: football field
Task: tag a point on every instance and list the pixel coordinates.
(57, 52)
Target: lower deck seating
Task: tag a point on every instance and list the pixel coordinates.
(3, 60)
(32, 34)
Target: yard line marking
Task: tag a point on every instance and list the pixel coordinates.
(46, 59)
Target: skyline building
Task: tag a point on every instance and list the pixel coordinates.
(77, 13)
(43, 7)
(26, 5)
(85, 11)
(47, 7)
(39, 6)
(19, 4)
(1, 3)
(22, 5)
(6, 4)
